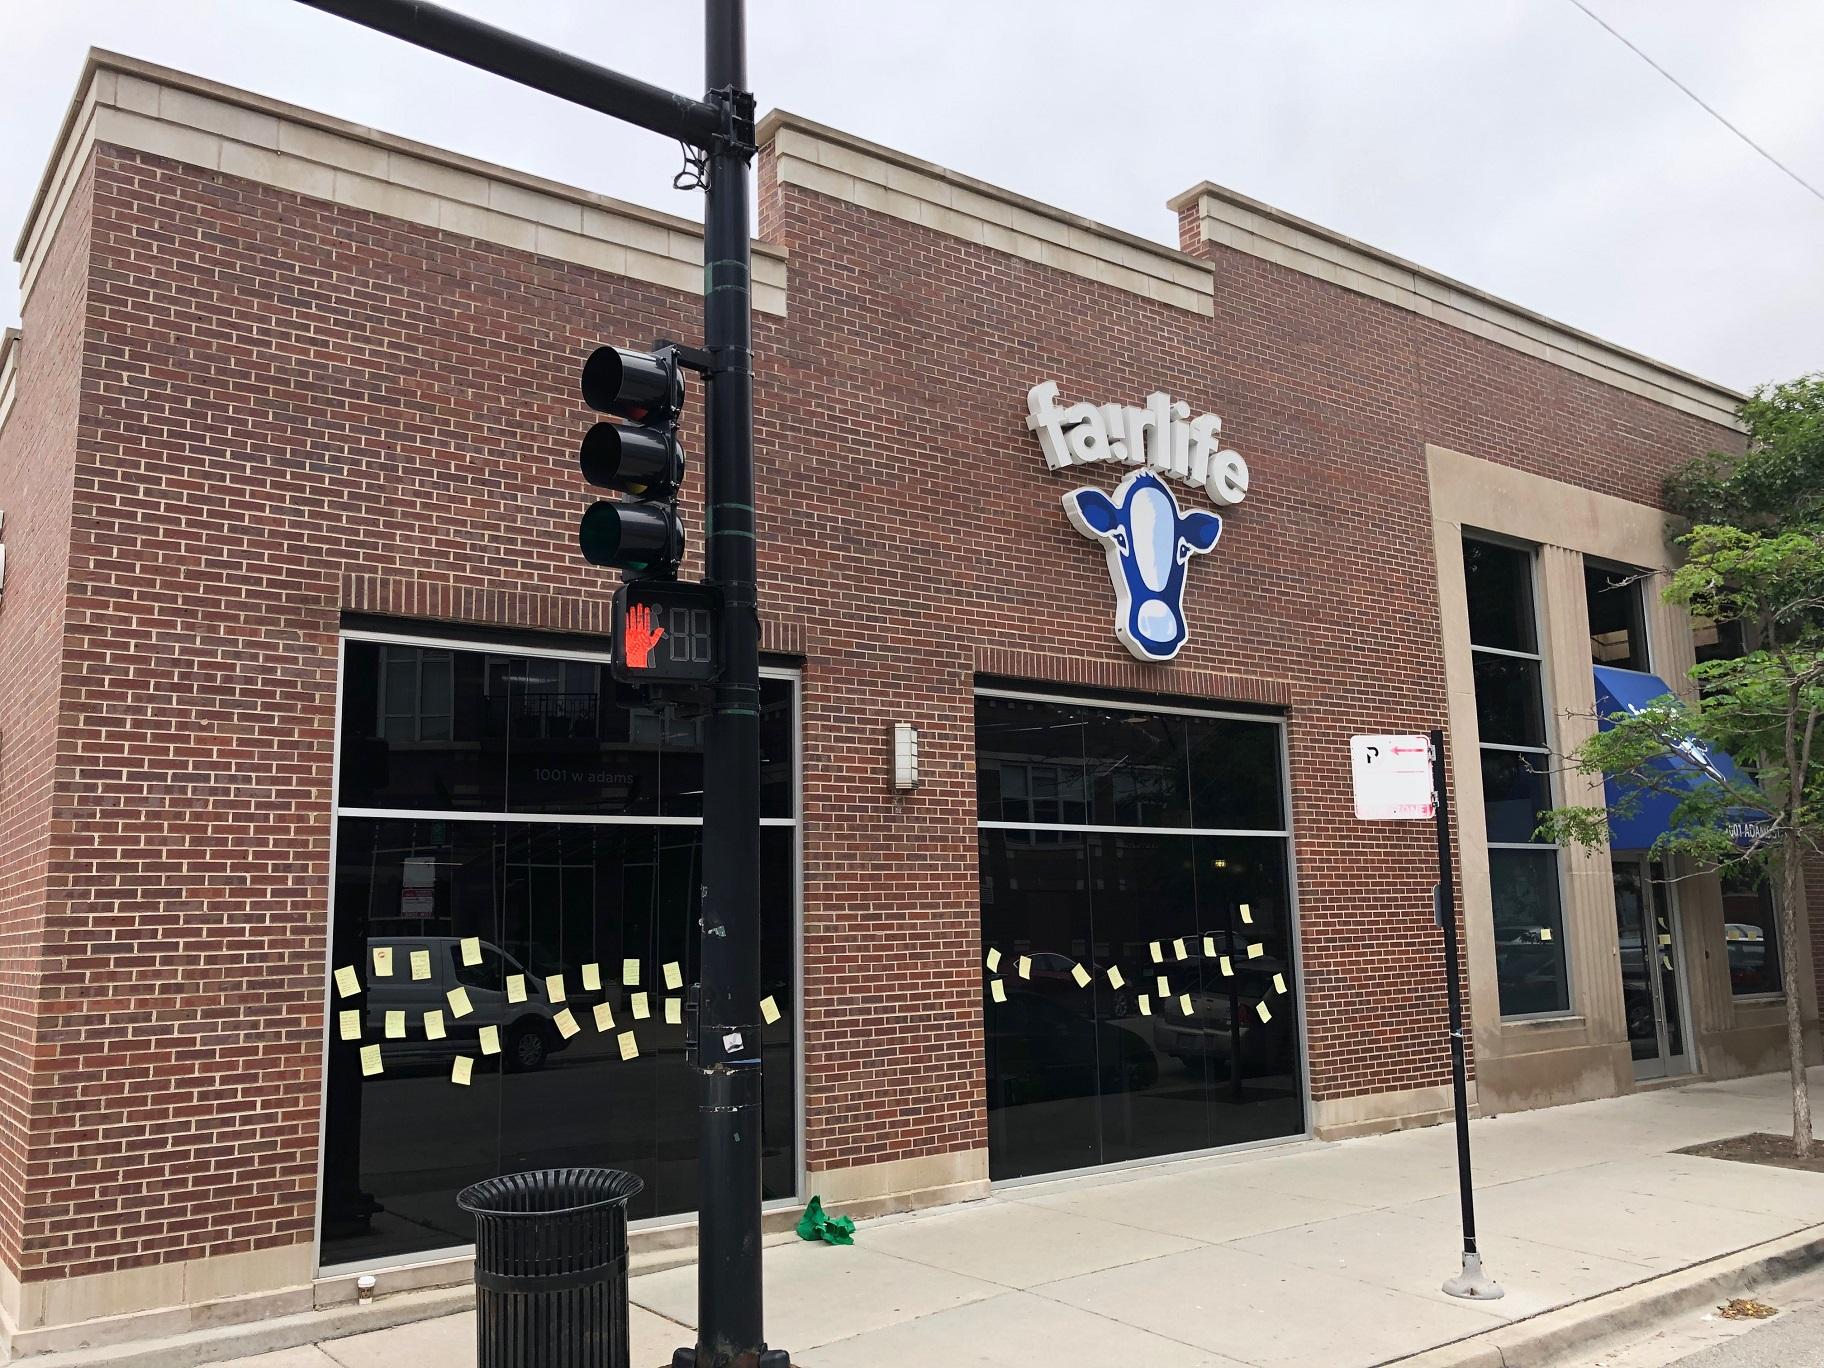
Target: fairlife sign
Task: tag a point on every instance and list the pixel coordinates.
(1146, 537)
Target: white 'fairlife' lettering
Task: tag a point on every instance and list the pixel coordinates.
(1162, 435)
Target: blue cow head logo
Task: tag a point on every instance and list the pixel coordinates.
(1148, 542)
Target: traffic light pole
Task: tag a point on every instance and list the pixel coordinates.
(728, 1055)
(728, 1058)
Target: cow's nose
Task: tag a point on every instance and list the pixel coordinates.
(1155, 621)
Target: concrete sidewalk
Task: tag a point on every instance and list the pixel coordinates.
(1308, 1254)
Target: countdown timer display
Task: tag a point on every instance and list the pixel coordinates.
(665, 633)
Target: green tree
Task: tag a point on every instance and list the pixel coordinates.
(1753, 554)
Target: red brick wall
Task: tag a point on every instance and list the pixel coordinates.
(37, 458)
(293, 409)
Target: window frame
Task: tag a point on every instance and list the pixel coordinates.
(480, 641)
(1538, 656)
(1285, 833)
(1639, 575)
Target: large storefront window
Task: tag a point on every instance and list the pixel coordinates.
(1147, 851)
(507, 797)
(1516, 783)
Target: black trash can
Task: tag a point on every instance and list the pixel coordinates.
(551, 1268)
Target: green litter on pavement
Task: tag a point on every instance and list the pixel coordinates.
(817, 1224)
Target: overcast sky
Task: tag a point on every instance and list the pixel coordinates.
(1510, 143)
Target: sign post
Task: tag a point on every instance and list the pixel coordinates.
(1401, 778)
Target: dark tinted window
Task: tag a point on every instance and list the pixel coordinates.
(1514, 794)
(1499, 580)
(1618, 634)
(450, 730)
(1529, 931)
(1082, 1074)
(1508, 710)
(543, 898)
(1751, 934)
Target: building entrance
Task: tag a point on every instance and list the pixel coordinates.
(1647, 927)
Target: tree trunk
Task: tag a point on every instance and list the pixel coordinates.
(1792, 898)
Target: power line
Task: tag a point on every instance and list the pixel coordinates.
(1623, 39)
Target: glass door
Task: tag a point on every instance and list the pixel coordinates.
(1645, 921)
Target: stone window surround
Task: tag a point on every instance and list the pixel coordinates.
(1584, 1053)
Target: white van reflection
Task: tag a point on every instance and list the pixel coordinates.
(527, 1035)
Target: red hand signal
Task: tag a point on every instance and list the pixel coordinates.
(640, 637)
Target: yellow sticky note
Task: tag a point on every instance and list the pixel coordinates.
(433, 1026)
(347, 985)
(674, 1012)
(1080, 974)
(592, 978)
(471, 950)
(994, 960)
(1146, 1005)
(1256, 950)
(604, 1017)
(383, 961)
(1178, 950)
(1545, 933)
(370, 1060)
(1279, 983)
(998, 989)
(630, 1048)
(490, 1040)
(769, 1010)
(462, 1069)
(630, 973)
(460, 1006)
(348, 1024)
(516, 987)
(1158, 954)
(421, 964)
(1115, 978)
(395, 1025)
(1163, 985)
(565, 1023)
(1665, 940)
(674, 976)
(1247, 916)
(554, 988)
(1184, 1003)
(1264, 1012)
(1209, 947)
(640, 1008)
(1025, 966)
(1228, 970)
(1666, 960)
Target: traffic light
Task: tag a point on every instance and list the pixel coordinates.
(642, 536)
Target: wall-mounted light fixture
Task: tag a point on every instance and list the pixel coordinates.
(905, 755)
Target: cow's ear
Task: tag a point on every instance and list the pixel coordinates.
(1092, 511)
(1200, 530)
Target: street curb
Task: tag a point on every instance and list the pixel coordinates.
(224, 1342)
(1551, 1337)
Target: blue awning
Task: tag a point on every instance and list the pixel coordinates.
(1650, 813)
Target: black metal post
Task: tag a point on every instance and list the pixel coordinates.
(1471, 1282)
(729, 1333)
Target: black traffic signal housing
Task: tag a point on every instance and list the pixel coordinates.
(641, 536)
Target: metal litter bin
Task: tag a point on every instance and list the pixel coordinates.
(551, 1268)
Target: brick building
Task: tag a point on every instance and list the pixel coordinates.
(300, 672)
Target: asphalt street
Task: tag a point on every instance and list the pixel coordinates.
(1792, 1340)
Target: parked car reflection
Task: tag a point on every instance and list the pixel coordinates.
(1044, 1050)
